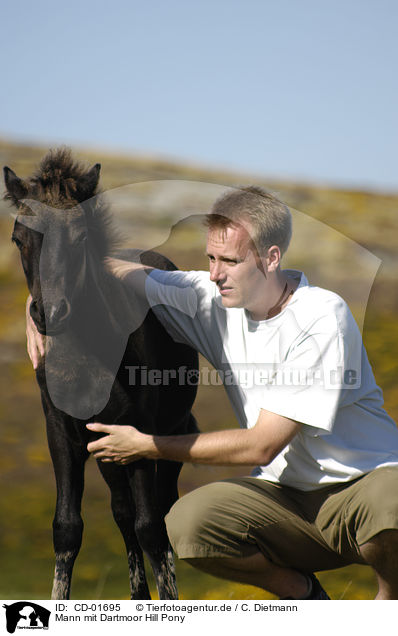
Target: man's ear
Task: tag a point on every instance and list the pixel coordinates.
(16, 188)
(273, 258)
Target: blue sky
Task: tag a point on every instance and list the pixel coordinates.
(299, 89)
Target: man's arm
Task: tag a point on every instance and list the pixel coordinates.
(248, 447)
(135, 273)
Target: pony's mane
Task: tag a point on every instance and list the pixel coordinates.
(59, 182)
(59, 174)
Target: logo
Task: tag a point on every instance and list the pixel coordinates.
(26, 615)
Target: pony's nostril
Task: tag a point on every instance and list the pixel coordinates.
(59, 313)
(34, 311)
(63, 310)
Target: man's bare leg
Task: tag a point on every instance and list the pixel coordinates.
(381, 553)
(258, 571)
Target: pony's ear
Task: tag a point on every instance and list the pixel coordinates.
(87, 184)
(16, 188)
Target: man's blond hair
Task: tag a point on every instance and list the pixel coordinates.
(270, 219)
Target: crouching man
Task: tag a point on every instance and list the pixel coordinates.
(325, 490)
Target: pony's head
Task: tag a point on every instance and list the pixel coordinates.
(59, 227)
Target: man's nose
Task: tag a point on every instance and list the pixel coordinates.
(216, 272)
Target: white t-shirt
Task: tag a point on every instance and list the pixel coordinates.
(307, 363)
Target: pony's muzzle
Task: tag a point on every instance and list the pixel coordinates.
(52, 318)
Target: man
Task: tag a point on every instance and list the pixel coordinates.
(324, 494)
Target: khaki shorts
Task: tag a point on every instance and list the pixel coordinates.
(309, 531)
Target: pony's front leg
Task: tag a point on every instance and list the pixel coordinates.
(150, 527)
(69, 458)
(123, 509)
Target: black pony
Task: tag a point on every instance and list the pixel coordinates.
(96, 335)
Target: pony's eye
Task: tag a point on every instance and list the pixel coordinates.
(81, 239)
(17, 242)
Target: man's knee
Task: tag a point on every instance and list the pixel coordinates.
(201, 523)
(187, 521)
(182, 525)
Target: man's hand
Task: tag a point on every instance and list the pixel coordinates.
(122, 444)
(35, 341)
(256, 446)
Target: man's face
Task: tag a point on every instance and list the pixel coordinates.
(237, 270)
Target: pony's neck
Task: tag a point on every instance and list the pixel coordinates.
(98, 319)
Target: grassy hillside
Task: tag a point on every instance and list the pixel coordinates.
(340, 238)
